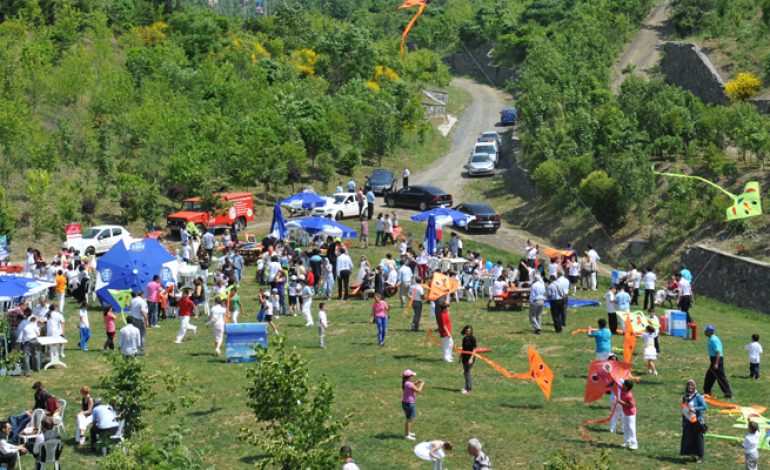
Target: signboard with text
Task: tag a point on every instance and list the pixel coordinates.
(73, 231)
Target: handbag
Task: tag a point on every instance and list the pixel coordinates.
(702, 425)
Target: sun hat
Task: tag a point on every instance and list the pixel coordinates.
(409, 373)
(709, 328)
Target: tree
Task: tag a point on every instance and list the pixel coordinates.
(601, 194)
(743, 87)
(37, 188)
(297, 430)
(7, 216)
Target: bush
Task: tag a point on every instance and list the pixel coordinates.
(745, 86)
(548, 177)
(601, 194)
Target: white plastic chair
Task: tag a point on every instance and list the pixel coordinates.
(49, 448)
(117, 438)
(37, 425)
(59, 420)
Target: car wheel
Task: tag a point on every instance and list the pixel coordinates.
(90, 251)
(391, 202)
(338, 215)
(423, 206)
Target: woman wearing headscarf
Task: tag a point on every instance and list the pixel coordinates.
(693, 406)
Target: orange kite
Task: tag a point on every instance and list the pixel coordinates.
(603, 377)
(539, 371)
(629, 341)
(441, 285)
(409, 4)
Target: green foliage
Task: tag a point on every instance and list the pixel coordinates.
(601, 194)
(37, 188)
(548, 176)
(148, 451)
(7, 216)
(712, 18)
(563, 460)
(9, 356)
(138, 199)
(296, 425)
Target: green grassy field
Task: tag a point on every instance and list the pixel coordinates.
(512, 418)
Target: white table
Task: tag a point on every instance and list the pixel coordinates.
(51, 344)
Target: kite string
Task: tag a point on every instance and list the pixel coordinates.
(493, 365)
(711, 183)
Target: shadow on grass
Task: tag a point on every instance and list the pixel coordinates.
(674, 460)
(388, 435)
(400, 357)
(646, 383)
(521, 406)
(252, 459)
(425, 359)
(206, 412)
(447, 389)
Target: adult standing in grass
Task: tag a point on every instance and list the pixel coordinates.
(380, 311)
(109, 327)
(139, 310)
(217, 322)
(467, 359)
(416, 292)
(344, 268)
(536, 303)
(716, 370)
(693, 406)
(649, 280)
(186, 309)
(602, 337)
(410, 390)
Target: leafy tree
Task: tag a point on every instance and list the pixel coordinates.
(7, 216)
(37, 188)
(743, 87)
(601, 194)
(296, 428)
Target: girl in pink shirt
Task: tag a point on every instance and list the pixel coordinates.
(109, 326)
(628, 404)
(380, 311)
(410, 391)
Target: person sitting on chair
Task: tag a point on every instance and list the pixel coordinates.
(48, 434)
(9, 453)
(104, 422)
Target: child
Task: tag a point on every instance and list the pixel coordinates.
(650, 354)
(755, 350)
(85, 328)
(235, 305)
(437, 452)
(323, 325)
(750, 446)
(410, 389)
(267, 308)
(364, 232)
(655, 322)
(614, 398)
(276, 302)
(628, 404)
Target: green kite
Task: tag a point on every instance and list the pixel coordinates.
(745, 205)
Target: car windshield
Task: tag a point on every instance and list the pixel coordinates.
(91, 233)
(485, 149)
(379, 178)
(339, 199)
(489, 135)
(483, 158)
(192, 206)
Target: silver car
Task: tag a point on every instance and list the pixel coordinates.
(481, 164)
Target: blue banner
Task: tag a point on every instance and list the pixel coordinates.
(240, 340)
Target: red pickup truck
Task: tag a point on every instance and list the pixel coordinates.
(238, 209)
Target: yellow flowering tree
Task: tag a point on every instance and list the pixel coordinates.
(152, 34)
(744, 86)
(304, 60)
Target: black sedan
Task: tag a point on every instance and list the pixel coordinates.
(380, 181)
(420, 197)
(485, 217)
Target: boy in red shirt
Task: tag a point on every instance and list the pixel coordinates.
(628, 404)
(186, 310)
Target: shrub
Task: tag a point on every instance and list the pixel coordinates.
(745, 86)
(601, 194)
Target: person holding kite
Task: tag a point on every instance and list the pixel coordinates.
(628, 405)
(693, 406)
(444, 324)
(467, 358)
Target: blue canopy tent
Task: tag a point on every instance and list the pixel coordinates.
(278, 225)
(129, 266)
(444, 216)
(304, 200)
(321, 226)
(15, 288)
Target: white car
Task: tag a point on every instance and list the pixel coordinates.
(339, 206)
(98, 239)
(489, 147)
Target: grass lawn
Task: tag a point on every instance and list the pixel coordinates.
(519, 428)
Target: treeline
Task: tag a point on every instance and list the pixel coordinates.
(133, 99)
(582, 144)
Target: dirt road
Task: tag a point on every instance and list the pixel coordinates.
(645, 51)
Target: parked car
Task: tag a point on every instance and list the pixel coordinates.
(339, 206)
(489, 147)
(485, 217)
(480, 164)
(98, 239)
(238, 210)
(380, 181)
(492, 135)
(420, 197)
(508, 116)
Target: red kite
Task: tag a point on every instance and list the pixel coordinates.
(409, 4)
(603, 377)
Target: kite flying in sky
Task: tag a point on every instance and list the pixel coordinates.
(409, 4)
(745, 205)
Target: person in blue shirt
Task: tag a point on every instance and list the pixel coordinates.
(602, 337)
(623, 300)
(351, 186)
(716, 370)
(369, 204)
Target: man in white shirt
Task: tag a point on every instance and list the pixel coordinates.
(208, 243)
(416, 292)
(633, 283)
(41, 309)
(685, 295)
(536, 303)
(649, 279)
(139, 310)
(105, 422)
(405, 178)
(530, 250)
(130, 339)
(27, 336)
(344, 267)
(404, 281)
(391, 282)
(9, 453)
(556, 299)
(306, 293)
(55, 329)
(563, 284)
(594, 258)
(272, 269)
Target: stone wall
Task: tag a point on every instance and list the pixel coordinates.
(735, 280)
(477, 62)
(685, 65)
